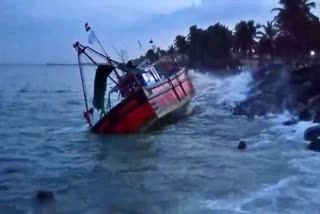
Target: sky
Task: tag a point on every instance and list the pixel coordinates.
(41, 31)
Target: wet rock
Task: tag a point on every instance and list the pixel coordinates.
(290, 122)
(270, 92)
(242, 145)
(300, 75)
(314, 145)
(45, 196)
(316, 118)
(278, 87)
(305, 115)
(312, 133)
(240, 110)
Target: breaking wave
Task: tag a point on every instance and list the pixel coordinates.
(229, 90)
(269, 194)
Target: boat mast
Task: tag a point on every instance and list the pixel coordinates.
(86, 114)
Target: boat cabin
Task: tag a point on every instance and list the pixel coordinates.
(135, 78)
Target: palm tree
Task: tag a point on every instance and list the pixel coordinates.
(294, 19)
(195, 40)
(267, 38)
(245, 34)
(171, 50)
(181, 44)
(218, 41)
(269, 31)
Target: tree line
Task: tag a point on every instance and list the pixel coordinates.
(292, 34)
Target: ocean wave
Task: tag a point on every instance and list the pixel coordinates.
(223, 92)
(294, 132)
(307, 163)
(68, 130)
(238, 204)
(234, 89)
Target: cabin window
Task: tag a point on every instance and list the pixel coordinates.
(150, 77)
(155, 73)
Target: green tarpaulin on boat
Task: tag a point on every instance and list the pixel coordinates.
(100, 85)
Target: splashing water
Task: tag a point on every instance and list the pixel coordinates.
(232, 90)
(229, 90)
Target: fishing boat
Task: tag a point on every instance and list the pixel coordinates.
(145, 95)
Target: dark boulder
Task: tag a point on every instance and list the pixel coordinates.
(44, 196)
(312, 133)
(316, 118)
(242, 145)
(240, 110)
(290, 122)
(300, 75)
(305, 115)
(314, 145)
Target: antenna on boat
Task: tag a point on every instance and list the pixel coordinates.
(121, 54)
(141, 47)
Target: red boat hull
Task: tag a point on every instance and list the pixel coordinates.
(147, 106)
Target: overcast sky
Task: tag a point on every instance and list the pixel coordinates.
(39, 31)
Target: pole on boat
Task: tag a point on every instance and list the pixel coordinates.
(92, 34)
(86, 114)
(141, 47)
(94, 37)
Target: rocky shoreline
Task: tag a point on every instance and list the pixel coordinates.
(279, 87)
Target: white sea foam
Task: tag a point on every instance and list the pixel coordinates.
(268, 192)
(306, 162)
(294, 132)
(229, 90)
(234, 89)
(67, 130)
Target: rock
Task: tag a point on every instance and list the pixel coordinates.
(240, 110)
(242, 145)
(290, 122)
(314, 99)
(44, 196)
(277, 87)
(312, 133)
(314, 145)
(316, 118)
(305, 115)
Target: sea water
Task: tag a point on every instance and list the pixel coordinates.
(191, 166)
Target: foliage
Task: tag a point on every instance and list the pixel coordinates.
(181, 44)
(152, 56)
(294, 31)
(210, 45)
(267, 39)
(245, 34)
(295, 19)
